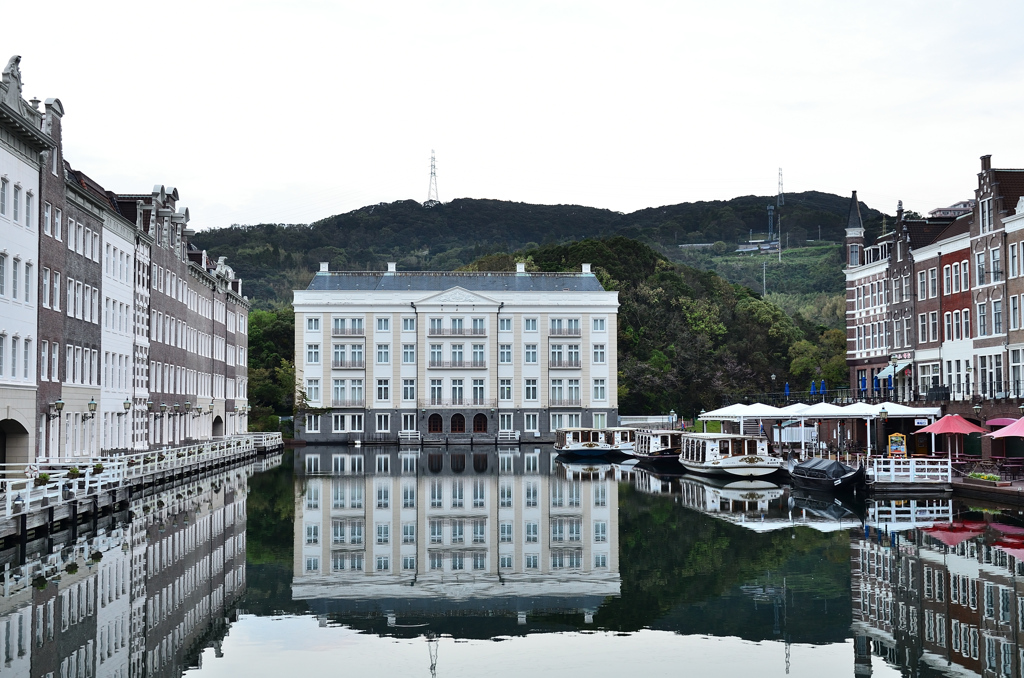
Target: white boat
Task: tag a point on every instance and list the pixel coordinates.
(592, 441)
(659, 443)
(728, 454)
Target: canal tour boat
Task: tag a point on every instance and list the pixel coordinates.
(657, 444)
(587, 442)
(721, 454)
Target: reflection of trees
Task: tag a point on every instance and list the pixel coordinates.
(671, 557)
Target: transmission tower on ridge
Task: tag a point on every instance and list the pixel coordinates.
(781, 200)
(432, 198)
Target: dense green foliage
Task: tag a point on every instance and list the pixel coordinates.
(672, 557)
(271, 367)
(685, 336)
(274, 259)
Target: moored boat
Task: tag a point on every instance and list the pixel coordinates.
(592, 442)
(657, 444)
(728, 454)
(827, 474)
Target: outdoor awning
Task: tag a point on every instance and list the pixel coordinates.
(1002, 421)
(887, 372)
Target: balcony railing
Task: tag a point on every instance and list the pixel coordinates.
(555, 364)
(565, 402)
(456, 332)
(347, 364)
(349, 402)
(565, 332)
(347, 331)
(457, 402)
(458, 364)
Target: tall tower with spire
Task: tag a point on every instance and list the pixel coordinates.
(854, 234)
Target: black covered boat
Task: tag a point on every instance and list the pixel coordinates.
(827, 475)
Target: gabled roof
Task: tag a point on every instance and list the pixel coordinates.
(923, 232)
(1011, 186)
(960, 226)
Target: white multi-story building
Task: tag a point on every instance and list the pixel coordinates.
(440, 355)
(21, 146)
(119, 326)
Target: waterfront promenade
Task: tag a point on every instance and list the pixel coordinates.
(29, 488)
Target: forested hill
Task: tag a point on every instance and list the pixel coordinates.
(274, 259)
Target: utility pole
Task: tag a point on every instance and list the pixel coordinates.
(764, 277)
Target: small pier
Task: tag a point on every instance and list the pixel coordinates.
(907, 476)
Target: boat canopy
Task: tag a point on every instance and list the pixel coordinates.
(822, 468)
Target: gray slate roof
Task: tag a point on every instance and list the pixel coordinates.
(429, 281)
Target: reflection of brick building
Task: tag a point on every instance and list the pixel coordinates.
(947, 595)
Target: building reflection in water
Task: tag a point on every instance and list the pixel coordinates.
(137, 593)
(428, 531)
(946, 598)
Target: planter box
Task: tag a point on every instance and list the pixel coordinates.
(987, 483)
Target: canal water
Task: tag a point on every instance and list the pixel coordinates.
(509, 562)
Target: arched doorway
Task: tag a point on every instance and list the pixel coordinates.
(480, 423)
(458, 423)
(14, 445)
(435, 424)
(218, 427)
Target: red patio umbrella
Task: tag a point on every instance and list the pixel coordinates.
(952, 424)
(1014, 429)
(952, 534)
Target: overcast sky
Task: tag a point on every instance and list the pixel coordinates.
(266, 111)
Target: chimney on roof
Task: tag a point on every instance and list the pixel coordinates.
(986, 163)
(392, 267)
(520, 267)
(325, 266)
(586, 268)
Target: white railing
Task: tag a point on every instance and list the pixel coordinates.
(409, 436)
(659, 420)
(910, 513)
(265, 440)
(29, 487)
(508, 435)
(910, 471)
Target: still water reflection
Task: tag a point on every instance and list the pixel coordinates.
(410, 562)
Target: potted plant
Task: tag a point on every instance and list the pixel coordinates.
(40, 582)
(74, 472)
(96, 556)
(97, 469)
(42, 479)
(72, 568)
